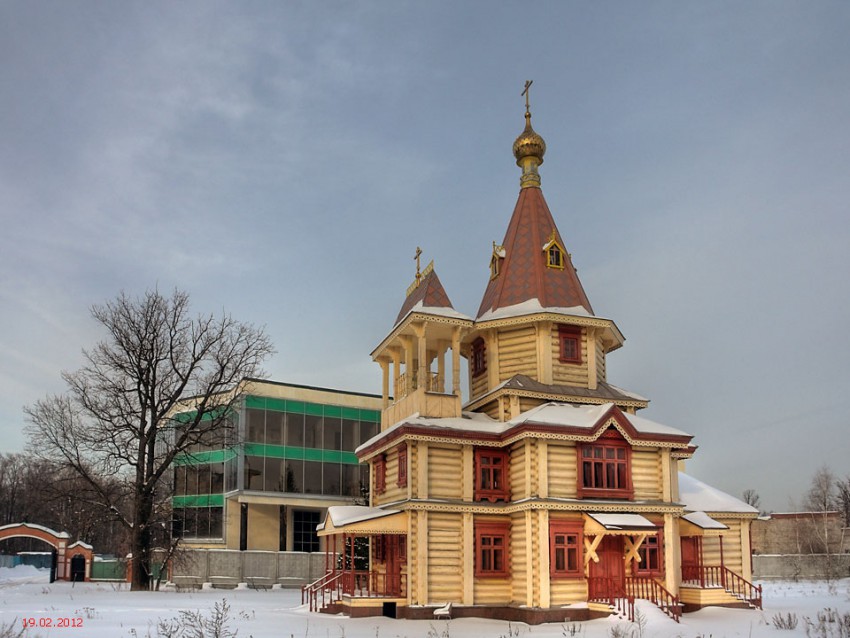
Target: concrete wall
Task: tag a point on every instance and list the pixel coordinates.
(800, 566)
(260, 568)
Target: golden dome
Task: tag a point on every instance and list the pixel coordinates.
(529, 144)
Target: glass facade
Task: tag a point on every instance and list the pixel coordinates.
(288, 447)
(305, 448)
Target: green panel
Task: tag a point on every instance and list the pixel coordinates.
(296, 453)
(278, 405)
(199, 458)
(306, 454)
(255, 402)
(254, 449)
(351, 413)
(313, 409)
(198, 500)
(311, 454)
(333, 410)
(297, 407)
(335, 456)
(370, 415)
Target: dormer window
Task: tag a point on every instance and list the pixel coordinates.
(555, 253)
(479, 357)
(496, 260)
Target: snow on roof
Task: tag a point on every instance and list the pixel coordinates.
(469, 422)
(438, 311)
(622, 521)
(697, 496)
(38, 527)
(341, 515)
(703, 521)
(563, 414)
(530, 307)
(628, 393)
(587, 416)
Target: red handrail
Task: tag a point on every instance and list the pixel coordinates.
(656, 593)
(607, 590)
(725, 578)
(330, 584)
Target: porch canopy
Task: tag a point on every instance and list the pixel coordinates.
(618, 524)
(700, 524)
(359, 520)
(634, 527)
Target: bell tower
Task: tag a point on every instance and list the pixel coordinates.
(413, 357)
(536, 337)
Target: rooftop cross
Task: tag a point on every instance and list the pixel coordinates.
(416, 257)
(525, 92)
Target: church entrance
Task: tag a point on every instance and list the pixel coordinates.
(608, 576)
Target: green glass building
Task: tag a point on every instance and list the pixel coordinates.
(291, 457)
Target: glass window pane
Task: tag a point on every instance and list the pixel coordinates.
(295, 430)
(312, 477)
(274, 475)
(312, 431)
(367, 430)
(217, 483)
(294, 481)
(350, 435)
(253, 472)
(274, 428)
(350, 480)
(216, 522)
(332, 434)
(255, 426)
(331, 478)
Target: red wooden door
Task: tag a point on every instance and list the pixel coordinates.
(691, 558)
(608, 576)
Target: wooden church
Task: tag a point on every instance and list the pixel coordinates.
(544, 497)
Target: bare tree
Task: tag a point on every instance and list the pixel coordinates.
(161, 382)
(844, 499)
(752, 499)
(823, 502)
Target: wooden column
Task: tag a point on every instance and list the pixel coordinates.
(672, 555)
(385, 384)
(441, 367)
(456, 362)
(592, 372)
(396, 355)
(543, 559)
(422, 354)
(544, 351)
(422, 556)
(468, 559)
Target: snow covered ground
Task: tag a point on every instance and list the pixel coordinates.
(105, 610)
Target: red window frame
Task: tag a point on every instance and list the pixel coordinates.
(566, 549)
(491, 475)
(479, 357)
(492, 556)
(381, 474)
(651, 553)
(402, 465)
(605, 468)
(569, 339)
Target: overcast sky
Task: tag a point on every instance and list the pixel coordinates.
(283, 160)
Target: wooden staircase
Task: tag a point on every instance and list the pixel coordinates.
(723, 577)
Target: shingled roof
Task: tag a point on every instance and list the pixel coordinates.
(523, 274)
(428, 294)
